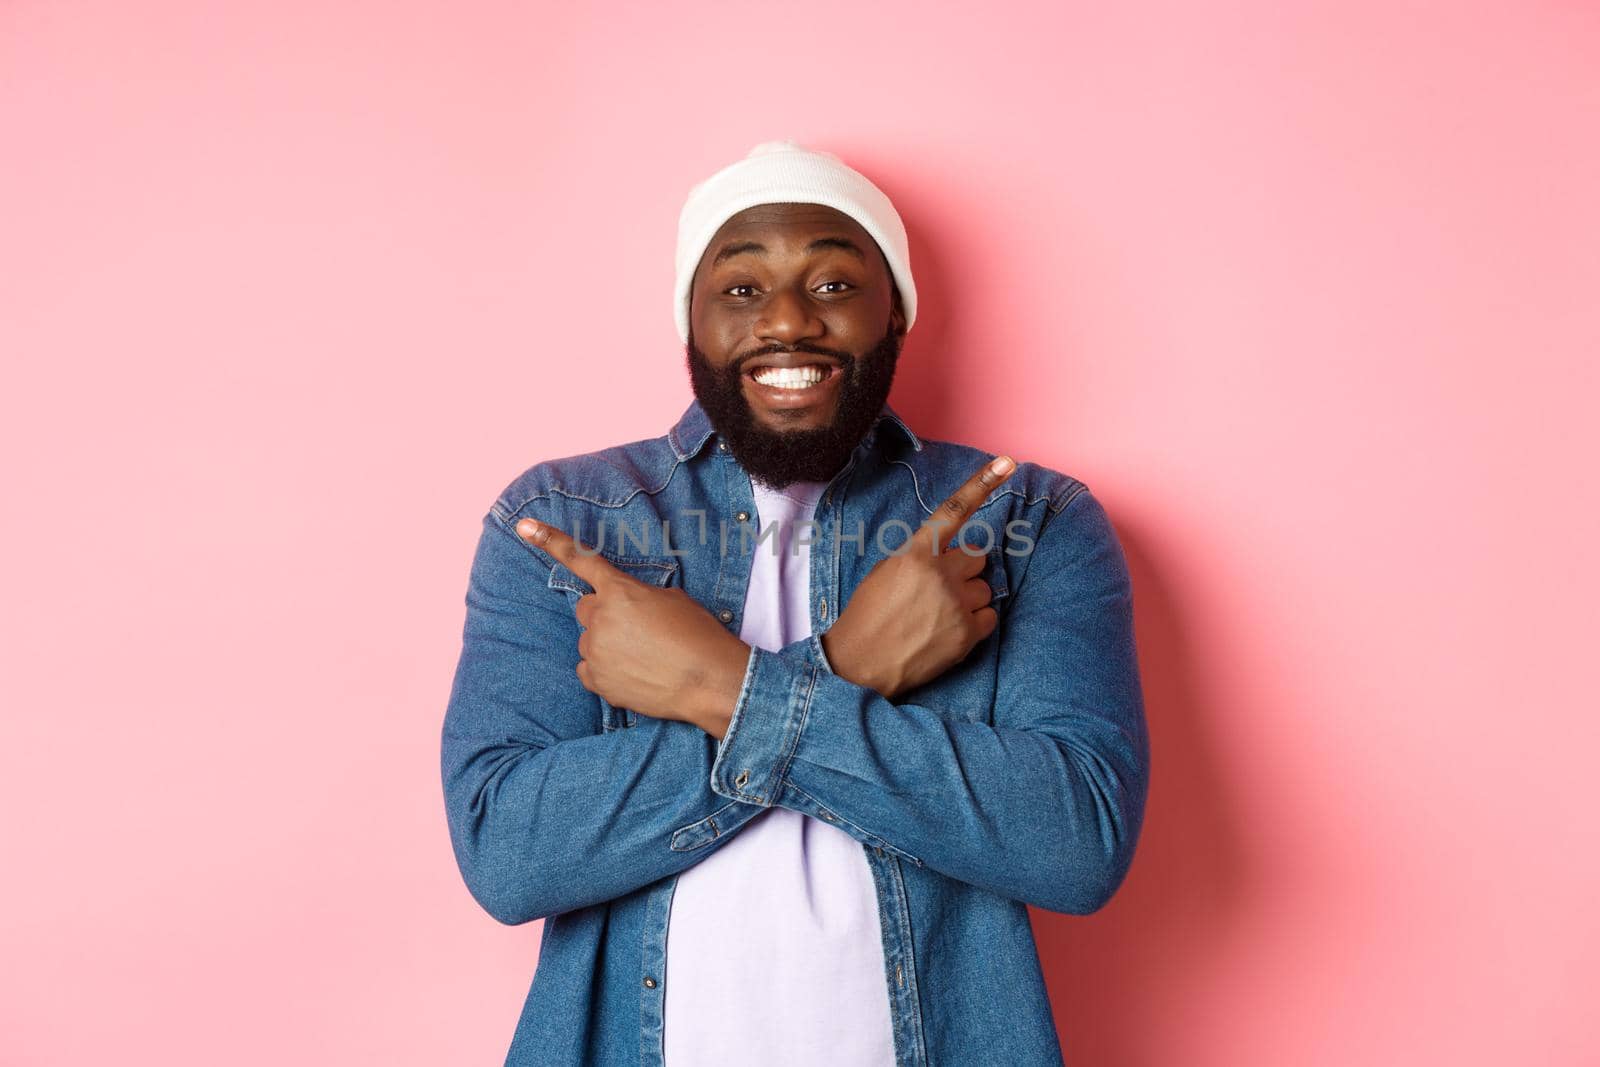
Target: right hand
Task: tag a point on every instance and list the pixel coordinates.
(654, 650)
(919, 612)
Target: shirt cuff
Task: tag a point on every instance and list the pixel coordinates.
(765, 727)
(808, 648)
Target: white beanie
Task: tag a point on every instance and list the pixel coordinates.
(781, 172)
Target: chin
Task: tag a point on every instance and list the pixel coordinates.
(797, 420)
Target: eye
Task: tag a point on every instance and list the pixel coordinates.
(731, 289)
(846, 285)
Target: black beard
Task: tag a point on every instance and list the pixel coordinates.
(779, 458)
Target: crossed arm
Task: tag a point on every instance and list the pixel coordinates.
(1044, 804)
(547, 814)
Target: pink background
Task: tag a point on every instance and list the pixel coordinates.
(289, 291)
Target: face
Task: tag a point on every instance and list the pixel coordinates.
(794, 330)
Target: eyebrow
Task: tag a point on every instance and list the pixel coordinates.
(739, 248)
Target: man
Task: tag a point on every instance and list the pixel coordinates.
(782, 792)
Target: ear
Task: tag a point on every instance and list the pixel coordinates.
(897, 313)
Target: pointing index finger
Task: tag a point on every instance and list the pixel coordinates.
(959, 506)
(590, 566)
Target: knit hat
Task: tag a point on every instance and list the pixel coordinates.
(782, 172)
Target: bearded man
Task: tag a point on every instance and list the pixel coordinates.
(782, 719)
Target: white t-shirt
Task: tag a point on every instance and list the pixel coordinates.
(774, 952)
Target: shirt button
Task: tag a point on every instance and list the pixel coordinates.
(743, 779)
(725, 615)
(743, 516)
(649, 983)
(824, 607)
(722, 446)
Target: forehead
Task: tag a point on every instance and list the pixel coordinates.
(787, 227)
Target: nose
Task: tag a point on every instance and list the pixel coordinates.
(788, 317)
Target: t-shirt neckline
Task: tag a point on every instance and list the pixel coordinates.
(799, 492)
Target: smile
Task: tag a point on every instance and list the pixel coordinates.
(793, 378)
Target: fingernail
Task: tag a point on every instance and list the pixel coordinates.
(528, 528)
(1001, 465)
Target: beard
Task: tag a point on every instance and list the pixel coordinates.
(779, 458)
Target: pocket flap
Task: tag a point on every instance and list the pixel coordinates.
(652, 570)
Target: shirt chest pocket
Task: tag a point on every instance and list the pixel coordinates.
(659, 571)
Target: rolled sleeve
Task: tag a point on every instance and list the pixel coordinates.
(764, 729)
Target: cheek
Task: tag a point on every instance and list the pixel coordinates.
(865, 319)
(861, 328)
(718, 332)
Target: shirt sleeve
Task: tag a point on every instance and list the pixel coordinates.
(547, 811)
(1043, 803)
(807, 649)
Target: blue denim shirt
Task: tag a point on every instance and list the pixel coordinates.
(1017, 777)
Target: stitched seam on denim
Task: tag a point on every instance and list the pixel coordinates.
(625, 563)
(877, 839)
(916, 484)
(834, 529)
(735, 724)
(916, 487)
(559, 571)
(799, 724)
(542, 555)
(725, 570)
(1026, 500)
(1072, 495)
(1074, 491)
(681, 449)
(671, 472)
(790, 740)
(557, 568)
(555, 489)
(652, 1006)
(820, 653)
(709, 820)
(914, 991)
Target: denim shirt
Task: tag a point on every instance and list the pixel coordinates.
(1017, 777)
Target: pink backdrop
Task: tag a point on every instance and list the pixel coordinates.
(289, 291)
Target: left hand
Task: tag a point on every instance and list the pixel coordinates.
(923, 608)
(650, 649)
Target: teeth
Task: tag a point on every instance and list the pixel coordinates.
(790, 377)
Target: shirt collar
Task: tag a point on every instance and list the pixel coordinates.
(694, 429)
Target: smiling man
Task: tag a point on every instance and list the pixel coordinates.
(782, 719)
(797, 388)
